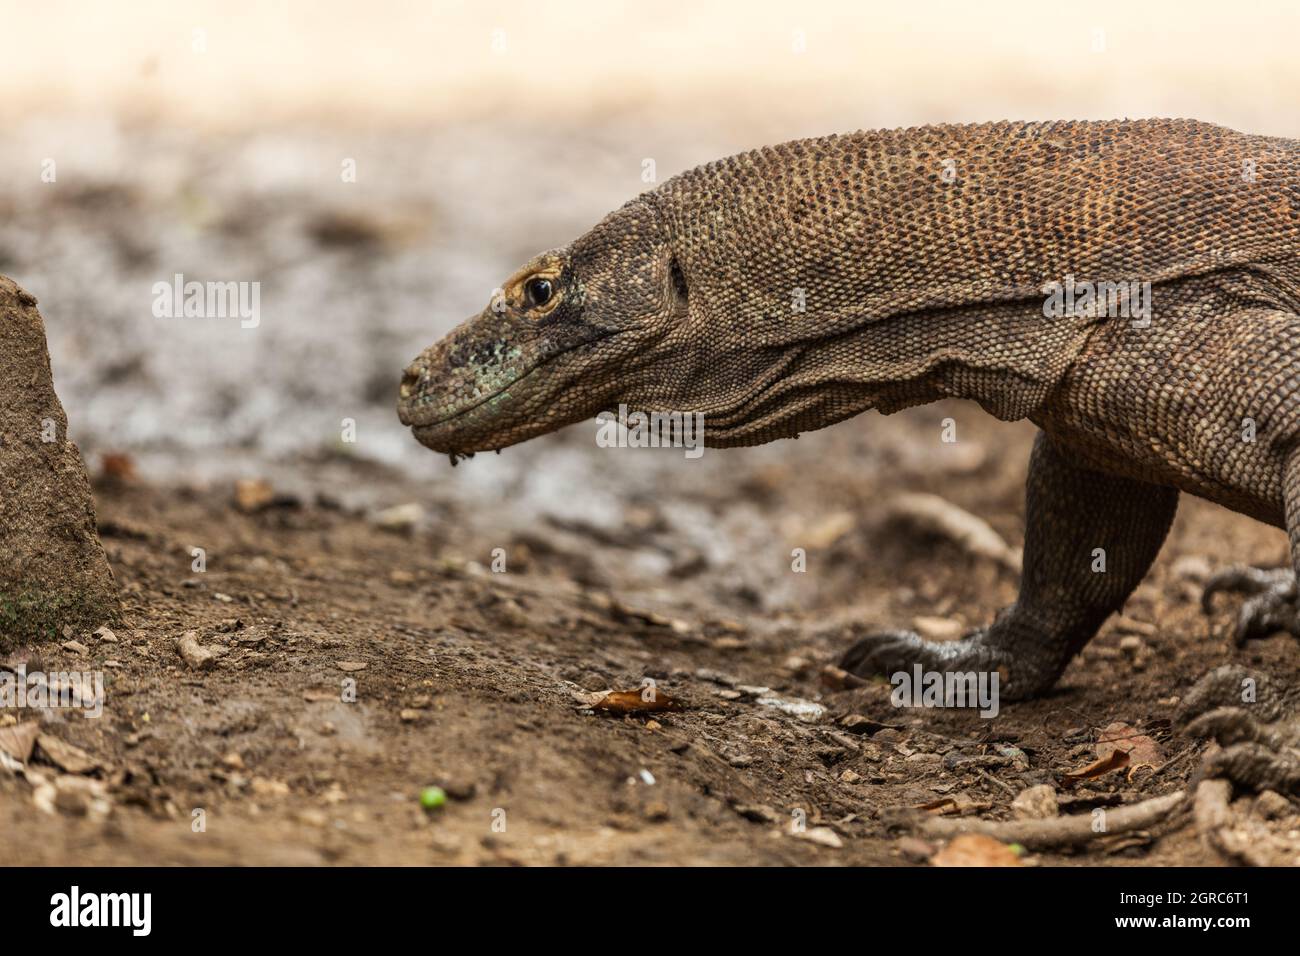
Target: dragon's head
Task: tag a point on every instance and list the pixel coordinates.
(569, 335)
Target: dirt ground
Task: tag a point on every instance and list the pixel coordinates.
(472, 679)
(621, 566)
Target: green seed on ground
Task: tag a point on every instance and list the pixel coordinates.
(431, 798)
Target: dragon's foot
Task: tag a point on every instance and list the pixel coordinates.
(1271, 604)
(889, 653)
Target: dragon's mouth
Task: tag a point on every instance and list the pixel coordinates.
(435, 433)
(411, 419)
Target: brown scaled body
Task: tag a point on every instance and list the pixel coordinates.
(789, 288)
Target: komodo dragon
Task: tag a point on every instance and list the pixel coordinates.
(923, 260)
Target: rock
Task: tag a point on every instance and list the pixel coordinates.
(104, 634)
(1191, 567)
(757, 812)
(65, 756)
(1019, 759)
(460, 789)
(400, 519)
(1271, 805)
(263, 787)
(716, 677)
(1036, 803)
(197, 657)
(914, 849)
(805, 710)
(1128, 625)
(75, 647)
(923, 761)
(796, 665)
(253, 494)
(75, 796)
(829, 530)
(858, 724)
(822, 836)
(1131, 645)
(53, 571)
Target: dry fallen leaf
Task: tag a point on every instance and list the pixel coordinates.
(253, 494)
(942, 806)
(839, 679)
(1142, 750)
(975, 849)
(640, 701)
(18, 741)
(116, 466)
(1118, 746)
(1116, 760)
(957, 803)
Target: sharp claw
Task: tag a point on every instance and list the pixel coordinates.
(1252, 620)
(1241, 579)
(863, 658)
(1270, 600)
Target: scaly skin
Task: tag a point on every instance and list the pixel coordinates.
(921, 257)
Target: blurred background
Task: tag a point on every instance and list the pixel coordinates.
(380, 167)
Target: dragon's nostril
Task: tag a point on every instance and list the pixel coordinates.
(410, 378)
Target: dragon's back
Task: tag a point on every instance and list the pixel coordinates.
(884, 222)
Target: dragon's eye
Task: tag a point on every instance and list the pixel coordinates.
(539, 291)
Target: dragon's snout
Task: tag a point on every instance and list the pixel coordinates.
(409, 390)
(409, 379)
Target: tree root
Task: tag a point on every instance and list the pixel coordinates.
(1234, 836)
(1073, 830)
(1255, 723)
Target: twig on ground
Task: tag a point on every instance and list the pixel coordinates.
(995, 781)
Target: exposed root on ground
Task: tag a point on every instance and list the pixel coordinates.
(1074, 830)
